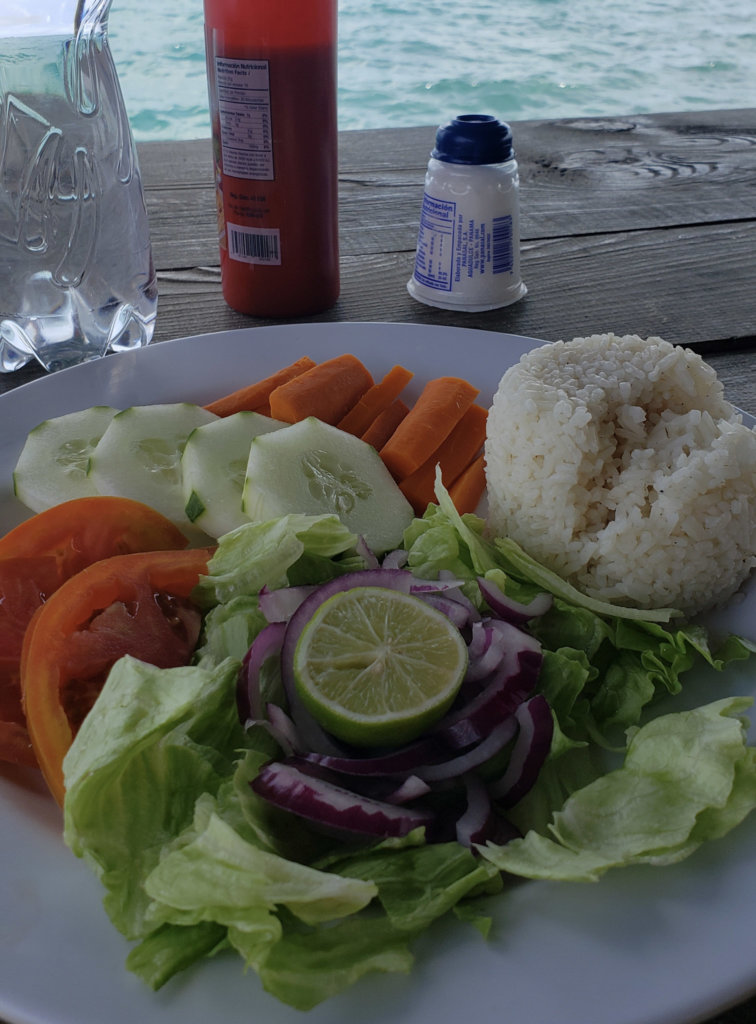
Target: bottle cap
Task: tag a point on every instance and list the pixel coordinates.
(474, 139)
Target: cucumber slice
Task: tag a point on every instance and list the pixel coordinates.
(52, 466)
(213, 468)
(139, 455)
(312, 467)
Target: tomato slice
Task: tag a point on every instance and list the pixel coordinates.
(37, 556)
(25, 583)
(138, 604)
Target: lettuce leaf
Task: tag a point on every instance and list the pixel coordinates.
(687, 777)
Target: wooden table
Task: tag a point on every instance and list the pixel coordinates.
(644, 224)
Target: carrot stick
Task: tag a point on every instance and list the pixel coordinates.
(442, 403)
(375, 400)
(252, 396)
(454, 455)
(385, 423)
(328, 391)
(467, 489)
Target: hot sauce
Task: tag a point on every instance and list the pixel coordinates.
(272, 88)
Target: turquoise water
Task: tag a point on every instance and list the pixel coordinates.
(417, 64)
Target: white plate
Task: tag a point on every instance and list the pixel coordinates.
(643, 946)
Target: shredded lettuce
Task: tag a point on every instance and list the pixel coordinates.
(195, 864)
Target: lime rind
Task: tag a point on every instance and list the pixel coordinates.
(378, 667)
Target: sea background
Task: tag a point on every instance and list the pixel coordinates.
(419, 63)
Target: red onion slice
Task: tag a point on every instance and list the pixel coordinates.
(333, 807)
(478, 822)
(266, 644)
(510, 610)
(494, 742)
(536, 728)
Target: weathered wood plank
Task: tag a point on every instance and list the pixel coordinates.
(582, 176)
(576, 286)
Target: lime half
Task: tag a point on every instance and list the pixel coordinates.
(377, 667)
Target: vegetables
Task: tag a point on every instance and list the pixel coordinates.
(256, 397)
(313, 467)
(138, 604)
(441, 405)
(375, 401)
(208, 856)
(36, 557)
(213, 468)
(454, 455)
(140, 452)
(139, 455)
(54, 460)
(327, 391)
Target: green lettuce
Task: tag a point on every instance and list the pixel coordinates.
(687, 777)
(194, 864)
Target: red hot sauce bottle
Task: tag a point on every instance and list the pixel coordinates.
(271, 70)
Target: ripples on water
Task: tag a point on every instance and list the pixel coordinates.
(418, 64)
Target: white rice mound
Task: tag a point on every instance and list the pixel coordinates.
(616, 462)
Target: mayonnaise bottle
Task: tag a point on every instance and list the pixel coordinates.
(468, 246)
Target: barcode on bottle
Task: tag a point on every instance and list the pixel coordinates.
(502, 245)
(254, 245)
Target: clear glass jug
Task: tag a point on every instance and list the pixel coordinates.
(76, 273)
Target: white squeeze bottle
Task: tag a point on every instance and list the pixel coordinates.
(468, 246)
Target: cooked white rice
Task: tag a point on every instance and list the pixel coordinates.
(617, 462)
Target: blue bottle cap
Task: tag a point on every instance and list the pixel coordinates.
(474, 139)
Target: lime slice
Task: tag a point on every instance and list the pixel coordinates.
(377, 667)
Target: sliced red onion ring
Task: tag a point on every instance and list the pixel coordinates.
(478, 822)
(494, 742)
(266, 644)
(368, 556)
(396, 763)
(513, 611)
(395, 559)
(536, 728)
(457, 613)
(333, 807)
(474, 720)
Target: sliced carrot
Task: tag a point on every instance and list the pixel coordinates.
(328, 391)
(467, 489)
(375, 400)
(453, 456)
(253, 396)
(441, 405)
(385, 423)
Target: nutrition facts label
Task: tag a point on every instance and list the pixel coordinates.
(243, 88)
(436, 243)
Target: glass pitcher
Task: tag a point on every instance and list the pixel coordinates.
(76, 273)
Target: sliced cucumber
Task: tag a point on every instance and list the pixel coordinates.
(313, 468)
(52, 466)
(139, 455)
(213, 467)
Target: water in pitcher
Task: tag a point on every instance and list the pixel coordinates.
(75, 257)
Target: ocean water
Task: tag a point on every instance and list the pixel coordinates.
(420, 63)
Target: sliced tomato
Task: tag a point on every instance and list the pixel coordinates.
(137, 604)
(85, 530)
(25, 583)
(37, 556)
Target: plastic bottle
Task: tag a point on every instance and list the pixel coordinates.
(468, 247)
(272, 88)
(76, 271)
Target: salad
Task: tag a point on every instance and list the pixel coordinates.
(160, 797)
(194, 862)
